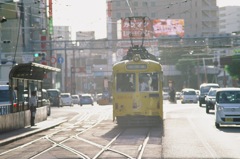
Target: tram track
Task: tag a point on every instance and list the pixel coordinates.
(71, 141)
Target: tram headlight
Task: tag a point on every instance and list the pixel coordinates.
(136, 58)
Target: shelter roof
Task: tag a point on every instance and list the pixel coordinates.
(34, 71)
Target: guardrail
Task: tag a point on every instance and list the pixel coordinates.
(5, 109)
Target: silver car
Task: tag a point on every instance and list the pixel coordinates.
(189, 95)
(227, 107)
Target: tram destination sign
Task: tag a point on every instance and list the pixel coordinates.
(136, 66)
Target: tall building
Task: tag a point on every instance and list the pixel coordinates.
(200, 16)
(227, 19)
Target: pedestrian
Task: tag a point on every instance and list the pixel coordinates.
(143, 85)
(33, 106)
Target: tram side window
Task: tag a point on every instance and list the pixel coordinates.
(148, 82)
(126, 82)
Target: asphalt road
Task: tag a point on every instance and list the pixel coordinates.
(191, 133)
(188, 132)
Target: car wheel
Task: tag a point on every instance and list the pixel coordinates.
(207, 110)
(217, 125)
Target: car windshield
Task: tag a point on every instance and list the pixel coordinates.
(229, 97)
(205, 89)
(189, 93)
(65, 96)
(4, 96)
(85, 97)
(52, 93)
(212, 93)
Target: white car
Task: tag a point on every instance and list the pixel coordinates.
(227, 107)
(75, 99)
(165, 95)
(66, 99)
(189, 95)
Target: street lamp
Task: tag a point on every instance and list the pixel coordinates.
(3, 19)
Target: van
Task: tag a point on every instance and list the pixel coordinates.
(204, 89)
(55, 97)
(5, 99)
(227, 111)
(5, 95)
(66, 99)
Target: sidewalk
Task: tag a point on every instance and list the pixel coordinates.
(14, 135)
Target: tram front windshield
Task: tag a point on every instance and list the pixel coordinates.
(147, 82)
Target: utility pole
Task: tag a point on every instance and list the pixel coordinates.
(65, 78)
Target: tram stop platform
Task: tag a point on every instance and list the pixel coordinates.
(10, 136)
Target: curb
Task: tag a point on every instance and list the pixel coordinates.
(26, 134)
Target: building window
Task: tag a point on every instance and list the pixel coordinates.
(127, 14)
(144, 4)
(153, 4)
(135, 4)
(118, 3)
(153, 15)
(118, 15)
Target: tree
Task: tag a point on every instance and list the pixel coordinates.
(233, 68)
(187, 69)
(185, 65)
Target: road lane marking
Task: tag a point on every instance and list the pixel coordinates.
(204, 142)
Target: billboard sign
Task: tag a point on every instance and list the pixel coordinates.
(168, 27)
(136, 27)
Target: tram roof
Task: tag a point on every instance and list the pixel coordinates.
(34, 71)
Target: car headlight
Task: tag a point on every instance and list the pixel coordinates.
(219, 108)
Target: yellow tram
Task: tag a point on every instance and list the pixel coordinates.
(137, 89)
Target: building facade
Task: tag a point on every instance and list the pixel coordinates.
(200, 16)
(228, 19)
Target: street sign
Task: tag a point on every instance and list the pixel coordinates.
(60, 60)
(53, 60)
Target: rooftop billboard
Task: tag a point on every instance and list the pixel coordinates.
(168, 27)
(151, 28)
(136, 27)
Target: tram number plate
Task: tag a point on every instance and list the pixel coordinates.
(229, 119)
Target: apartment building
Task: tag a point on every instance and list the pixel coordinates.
(229, 19)
(200, 16)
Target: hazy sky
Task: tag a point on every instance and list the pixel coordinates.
(90, 15)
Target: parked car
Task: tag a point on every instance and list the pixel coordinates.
(66, 99)
(188, 95)
(210, 99)
(204, 89)
(5, 95)
(44, 100)
(55, 98)
(227, 107)
(75, 99)
(86, 99)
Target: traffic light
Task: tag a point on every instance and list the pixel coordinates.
(6, 41)
(43, 55)
(39, 57)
